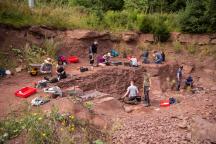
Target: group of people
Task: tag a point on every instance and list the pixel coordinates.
(159, 58)
(132, 96)
(96, 59)
(47, 66)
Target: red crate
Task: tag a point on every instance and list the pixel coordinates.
(25, 92)
(164, 103)
(73, 59)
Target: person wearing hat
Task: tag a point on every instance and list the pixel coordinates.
(93, 50)
(46, 67)
(107, 58)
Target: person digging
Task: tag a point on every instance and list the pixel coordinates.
(61, 74)
(131, 96)
(93, 52)
(146, 87)
(189, 82)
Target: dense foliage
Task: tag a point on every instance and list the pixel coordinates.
(147, 16)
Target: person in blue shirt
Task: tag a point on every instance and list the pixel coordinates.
(189, 82)
(158, 57)
(179, 78)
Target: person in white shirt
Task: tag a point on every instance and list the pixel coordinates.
(133, 62)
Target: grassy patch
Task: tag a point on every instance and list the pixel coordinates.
(177, 47)
(55, 128)
(18, 14)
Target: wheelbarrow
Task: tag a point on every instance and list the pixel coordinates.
(34, 70)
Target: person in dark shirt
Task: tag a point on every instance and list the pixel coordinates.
(145, 57)
(163, 56)
(93, 51)
(61, 74)
(189, 82)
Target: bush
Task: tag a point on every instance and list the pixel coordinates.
(193, 19)
(211, 16)
(160, 30)
(145, 24)
(104, 5)
(116, 20)
(35, 54)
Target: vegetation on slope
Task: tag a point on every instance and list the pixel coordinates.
(116, 15)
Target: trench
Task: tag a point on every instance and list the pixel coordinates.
(115, 80)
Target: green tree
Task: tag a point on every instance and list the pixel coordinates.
(193, 19)
(105, 5)
(211, 15)
(140, 5)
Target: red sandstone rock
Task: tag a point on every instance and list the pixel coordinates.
(196, 38)
(146, 38)
(129, 36)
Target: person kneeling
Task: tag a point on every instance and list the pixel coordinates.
(158, 57)
(107, 58)
(46, 67)
(61, 74)
(189, 82)
(132, 93)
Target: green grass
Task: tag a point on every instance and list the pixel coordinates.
(53, 128)
(70, 17)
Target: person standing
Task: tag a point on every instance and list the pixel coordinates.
(145, 57)
(146, 87)
(179, 78)
(93, 51)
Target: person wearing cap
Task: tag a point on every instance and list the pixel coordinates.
(107, 58)
(179, 78)
(46, 67)
(93, 50)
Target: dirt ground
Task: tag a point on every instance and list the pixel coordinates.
(191, 121)
(152, 124)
